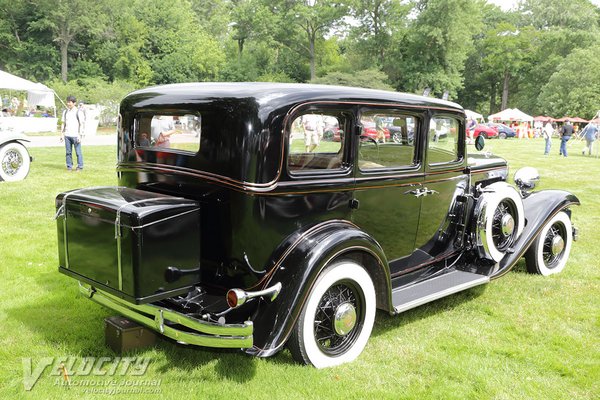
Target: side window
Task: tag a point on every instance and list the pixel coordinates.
(316, 141)
(167, 131)
(442, 141)
(387, 140)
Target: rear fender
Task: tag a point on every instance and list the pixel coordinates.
(298, 266)
(539, 208)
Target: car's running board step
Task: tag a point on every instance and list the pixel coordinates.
(435, 288)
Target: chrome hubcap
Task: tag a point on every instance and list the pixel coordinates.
(558, 245)
(507, 225)
(12, 162)
(344, 319)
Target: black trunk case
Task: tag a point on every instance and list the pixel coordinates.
(123, 240)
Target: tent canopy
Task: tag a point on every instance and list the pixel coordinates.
(37, 93)
(511, 114)
(572, 119)
(473, 115)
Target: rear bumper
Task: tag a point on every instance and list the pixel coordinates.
(162, 320)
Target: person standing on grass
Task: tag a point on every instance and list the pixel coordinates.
(565, 135)
(590, 134)
(547, 132)
(71, 133)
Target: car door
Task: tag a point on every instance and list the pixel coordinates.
(388, 182)
(443, 188)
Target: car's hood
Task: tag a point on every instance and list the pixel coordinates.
(485, 160)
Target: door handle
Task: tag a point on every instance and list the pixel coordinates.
(430, 191)
(416, 192)
(421, 192)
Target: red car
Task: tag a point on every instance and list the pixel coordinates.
(370, 131)
(484, 130)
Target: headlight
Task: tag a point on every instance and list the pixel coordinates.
(526, 178)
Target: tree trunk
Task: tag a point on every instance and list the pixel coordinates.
(240, 48)
(505, 90)
(64, 46)
(493, 97)
(313, 75)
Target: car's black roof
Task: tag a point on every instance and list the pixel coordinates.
(275, 95)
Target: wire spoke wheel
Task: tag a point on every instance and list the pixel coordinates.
(12, 162)
(339, 318)
(336, 321)
(554, 245)
(550, 250)
(503, 225)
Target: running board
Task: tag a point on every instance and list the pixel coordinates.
(435, 288)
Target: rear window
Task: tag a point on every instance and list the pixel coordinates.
(169, 131)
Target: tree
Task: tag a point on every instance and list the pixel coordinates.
(309, 18)
(566, 14)
(434, 50)
(249, 19)
(370, 78)
(379, 19)
(66, 20)
(574, 89)
(176, 47)
(507, 49)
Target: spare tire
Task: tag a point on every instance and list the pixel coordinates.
(499, 220)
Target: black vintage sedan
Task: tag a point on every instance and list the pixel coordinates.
(235, 225)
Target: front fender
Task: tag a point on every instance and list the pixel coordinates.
(299, 267)
(13, 137)
(539, 208)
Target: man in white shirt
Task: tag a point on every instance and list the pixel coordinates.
(71, 133)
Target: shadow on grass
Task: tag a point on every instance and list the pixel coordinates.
(70, 323)
(75, 325)
(385, 322)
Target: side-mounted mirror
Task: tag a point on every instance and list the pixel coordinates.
(479, 142)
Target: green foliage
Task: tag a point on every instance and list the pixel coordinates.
(574, 89)
(370, 78)
(484, 57)
(435, 47)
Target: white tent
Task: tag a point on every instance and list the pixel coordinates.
(473, 115)
(511, 114)
(37, 93)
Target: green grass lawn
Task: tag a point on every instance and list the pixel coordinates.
(521, 337)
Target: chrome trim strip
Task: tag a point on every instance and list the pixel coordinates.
(205, 333)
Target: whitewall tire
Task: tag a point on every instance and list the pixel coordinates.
(500, 220)
(14, 162)
(337, 318)
(550, 250)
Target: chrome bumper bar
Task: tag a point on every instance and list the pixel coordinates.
(207, 334)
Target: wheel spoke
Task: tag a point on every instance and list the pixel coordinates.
(327, 338)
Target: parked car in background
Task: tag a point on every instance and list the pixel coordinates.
(244, 238)
(504, 131)
(369, 130)
(14, 156)
(483, 130)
